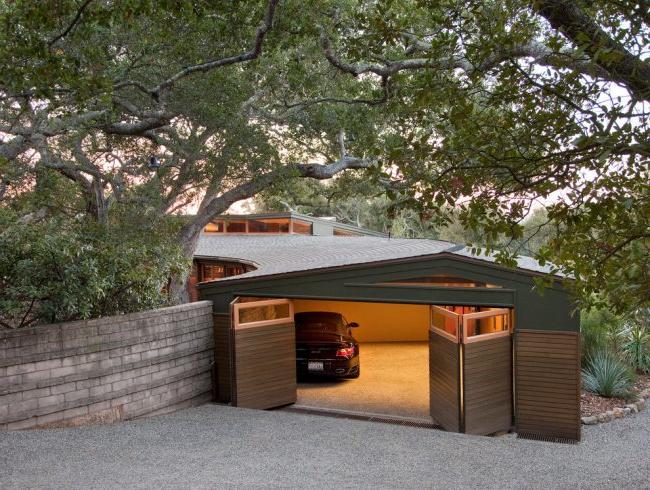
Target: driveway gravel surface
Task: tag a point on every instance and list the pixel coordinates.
(217, 446)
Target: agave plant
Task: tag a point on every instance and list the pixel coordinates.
(606, 375)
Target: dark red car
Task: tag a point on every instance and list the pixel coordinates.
(325, 345)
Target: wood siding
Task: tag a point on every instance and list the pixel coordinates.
(487, 383)
(547, 383)
(265, 366)
(444, 382)
(222, 357)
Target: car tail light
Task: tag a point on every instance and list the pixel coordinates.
(346, 352)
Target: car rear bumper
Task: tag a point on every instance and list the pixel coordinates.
(331, 367)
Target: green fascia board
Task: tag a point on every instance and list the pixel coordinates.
(551, 310)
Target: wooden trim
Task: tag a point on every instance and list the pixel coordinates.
(444, 334)
(448, 314)
(486, 314)
(482, 337)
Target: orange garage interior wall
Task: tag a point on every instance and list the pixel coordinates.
(378, 322)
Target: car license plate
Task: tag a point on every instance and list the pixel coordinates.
(315, 366)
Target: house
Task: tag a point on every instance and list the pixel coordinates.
(501, 353)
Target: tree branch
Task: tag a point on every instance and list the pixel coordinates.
(622, 66)
(11, 149)
(249, 55)
(71, 26)
(541, 54)
(190, 232)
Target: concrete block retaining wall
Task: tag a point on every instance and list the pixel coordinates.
(106, 369)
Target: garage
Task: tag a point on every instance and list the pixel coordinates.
(451, 366)
(393, 354)
(470, 345)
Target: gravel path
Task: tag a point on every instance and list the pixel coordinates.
(217, 446)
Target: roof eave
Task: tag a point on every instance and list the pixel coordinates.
(402, 260)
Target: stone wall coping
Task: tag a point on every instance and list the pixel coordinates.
(100, 346)
(105, 319)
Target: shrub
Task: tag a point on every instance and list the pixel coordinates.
(60, 270)
(600, 330)
(606, 375)
(636, 341)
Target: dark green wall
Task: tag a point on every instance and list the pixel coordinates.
(549, 311)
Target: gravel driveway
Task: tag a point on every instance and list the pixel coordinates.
(217, 446)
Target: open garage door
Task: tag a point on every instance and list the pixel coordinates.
(444, 368)
(470, 365)
(487, 371)
(264, 353)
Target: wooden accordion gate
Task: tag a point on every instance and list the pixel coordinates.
(470, 364)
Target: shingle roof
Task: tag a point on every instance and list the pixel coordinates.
(278, 254)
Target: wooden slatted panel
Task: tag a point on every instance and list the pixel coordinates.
(222, 356)
(444, 382)
(487, 384)
(265, 366)
(547, 383)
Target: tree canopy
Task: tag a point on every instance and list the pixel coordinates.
(461, 110)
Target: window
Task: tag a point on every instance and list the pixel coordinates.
(301, 227)
(209, 271)
(447, 325)
(265, 312)
(236, 226)
(486, 324)
(441, 280)
(214, 227)
(271, 225)
(478, 323)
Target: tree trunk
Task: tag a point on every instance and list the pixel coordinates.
(179, 288)
(96, 204)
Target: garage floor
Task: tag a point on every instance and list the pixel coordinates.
(394, 381)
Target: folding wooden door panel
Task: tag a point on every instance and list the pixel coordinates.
(444, 369)
(264, 354)
(487, 372)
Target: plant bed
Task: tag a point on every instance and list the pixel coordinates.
(592, 404)
(597, 409)
(642, 383)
